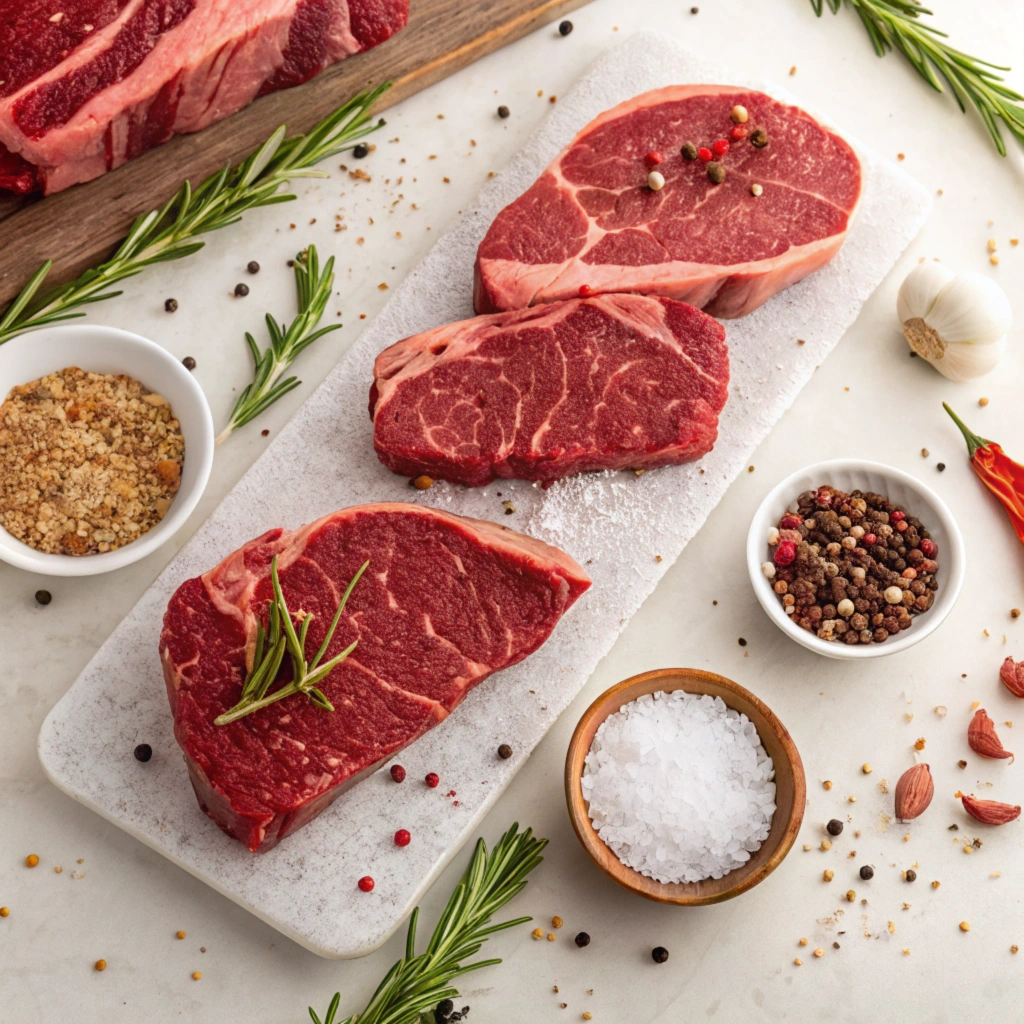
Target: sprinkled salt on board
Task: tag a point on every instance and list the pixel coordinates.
(679, 786)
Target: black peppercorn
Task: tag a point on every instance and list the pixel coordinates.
(910, 875)
(241, 290)
(716, 172)
(143, 752)
(689, 151)
(253, 267)
(360, 150)
(834, 827)
(504, 751)
(503, 111)
(659, 954)
(189, 363)
(583, 939)
(445, 1006)
(171, 305)
(695, 10)
(43, 597)
(564, 28)
(742, 642)
(759, 138)
(941, 466)
(867, 872)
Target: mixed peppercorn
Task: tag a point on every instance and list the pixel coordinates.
(851, 567)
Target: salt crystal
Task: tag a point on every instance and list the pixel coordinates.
(679, 786)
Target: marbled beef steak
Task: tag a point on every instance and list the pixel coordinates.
(612, 382)
(445, 602)
(87, 84)
(591, 221)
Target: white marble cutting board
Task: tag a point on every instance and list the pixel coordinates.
(626, 529)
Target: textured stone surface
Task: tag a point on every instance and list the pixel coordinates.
(614, 525)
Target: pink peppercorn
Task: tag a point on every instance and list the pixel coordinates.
(785, 553)
(432, 780)
(897, 516)
(366, 883)
(398, 773)
(929, 548)
(721, 147)
(585, 290)
(928, 565)
(823, 497)
(902, 526)
(653, 158)
(403, 837)
(790, 522)
(870, 540)
(705, 154)
(738, 132)
(910, 573)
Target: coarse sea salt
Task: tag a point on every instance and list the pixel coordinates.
(679, 786)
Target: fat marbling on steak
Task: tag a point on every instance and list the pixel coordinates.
(611, 382)
(445, 602)
(591, 220)
(87, 84)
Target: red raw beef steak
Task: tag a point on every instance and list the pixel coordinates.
(87, 84)
(612, 382)
(591, 221)
(445, 602)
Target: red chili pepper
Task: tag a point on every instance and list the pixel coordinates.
(998, 472)
(705, 154)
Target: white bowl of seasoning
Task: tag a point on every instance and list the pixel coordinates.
(106, 350)
(900, 489)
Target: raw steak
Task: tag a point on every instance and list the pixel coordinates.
(591, 221)
(445, 602)
(87, 84)
(610, 382)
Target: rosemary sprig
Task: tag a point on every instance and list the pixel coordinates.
(418, 983)
(314, 289)
(169, 233)
(281, 638)
(895, 25)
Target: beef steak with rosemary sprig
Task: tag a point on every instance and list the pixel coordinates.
(444, 602)
(592, 222)
(87, 85)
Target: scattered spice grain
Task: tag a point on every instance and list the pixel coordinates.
(910, 875)
(5, 911)
(564, 27)
(659, 954)
(556, 922)
(827, 784)
(171, 305)
(100, 965)
(32, 860)
(867, 872)
(834, 827)
(828, 874)
(819, 952)
(964, 926)
(197, 975)
(43, 597)
(179, 935)
(582, 939)
(143, 752)
(189, 363)
(241, 290)
(503, 111)
(505, 752)
(360, 150)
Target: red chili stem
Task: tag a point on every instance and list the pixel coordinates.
(974, 442)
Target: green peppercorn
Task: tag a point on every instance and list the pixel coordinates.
(716, 172)
(759, 138)
(689, 151)
(43, 597)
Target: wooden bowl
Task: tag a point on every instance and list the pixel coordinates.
(790, 797)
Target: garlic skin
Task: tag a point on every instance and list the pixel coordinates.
(958, 322)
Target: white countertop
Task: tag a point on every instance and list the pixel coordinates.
(731, 962)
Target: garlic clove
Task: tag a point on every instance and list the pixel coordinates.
(971, 307)
(920, 290)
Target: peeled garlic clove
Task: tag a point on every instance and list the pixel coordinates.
(956, 321)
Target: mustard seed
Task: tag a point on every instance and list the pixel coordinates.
(100, 965)
(5, 911)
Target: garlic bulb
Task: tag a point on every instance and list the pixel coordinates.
(957, 321)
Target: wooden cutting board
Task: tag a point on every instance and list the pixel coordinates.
(81, 226)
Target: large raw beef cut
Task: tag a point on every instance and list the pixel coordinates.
(592, 222)
(612, 382)
(445, 602)
(87, 84)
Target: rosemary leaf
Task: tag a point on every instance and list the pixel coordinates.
(896, 25)
(169, 233)
(286, 343)
(416, 984)
(274, 643)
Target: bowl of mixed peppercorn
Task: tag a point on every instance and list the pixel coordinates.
(855, 559)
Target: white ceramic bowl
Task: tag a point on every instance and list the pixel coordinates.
(901, 489)
(101, 349)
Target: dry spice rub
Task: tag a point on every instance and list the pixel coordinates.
(88, 462)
